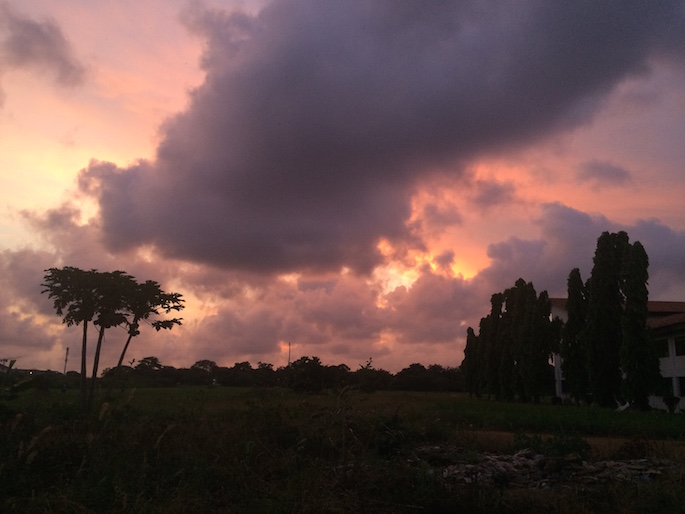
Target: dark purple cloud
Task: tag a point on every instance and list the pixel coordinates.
(492, 193)
(601, 173)
(38, 45)
(316, 120)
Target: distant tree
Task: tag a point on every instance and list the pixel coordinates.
(370, 379)
(639, 360)
(572, 351)
(413, 378)
(265, 375)
(306, 375)
(147, 364)
(205, 365)
(336, 377)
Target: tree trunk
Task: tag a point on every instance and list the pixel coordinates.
(116, 372)
(96, 362)
(84, 379)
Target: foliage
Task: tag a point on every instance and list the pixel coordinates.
(639, 361)
(602, 334)
(572, 350)
(107, 299)
(607, 327)
(510, 356)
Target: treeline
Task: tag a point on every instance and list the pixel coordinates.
(307, 374)
(606, 349)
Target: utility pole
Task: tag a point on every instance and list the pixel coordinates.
(288, 353)
(66, 357)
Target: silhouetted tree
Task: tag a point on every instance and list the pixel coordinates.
(490, 342)
(602, 335)
(144, 300)
(639, 360)
(471, 365)
(205, 365)
(74, 294)
(306, 375)
(112, 289)
(107, 299)
(573, 353)
(370, 379)
(514, 346)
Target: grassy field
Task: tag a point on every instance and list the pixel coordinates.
(270, 450)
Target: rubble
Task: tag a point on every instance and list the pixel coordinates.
(527, 469)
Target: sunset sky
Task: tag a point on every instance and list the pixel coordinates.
(354, 178)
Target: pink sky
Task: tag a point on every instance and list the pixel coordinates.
(354, 178)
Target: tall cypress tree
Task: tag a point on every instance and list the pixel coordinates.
(639, 361)
(491, 346)
(603, 334)
(470, 365)
(572, 352)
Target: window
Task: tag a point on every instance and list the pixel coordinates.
(681, 382)
(661, 346)
(680, 345)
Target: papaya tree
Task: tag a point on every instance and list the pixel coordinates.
(142, 302)
(107, 299)
(74, 295)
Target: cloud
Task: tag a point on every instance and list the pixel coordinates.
(233, 316)
(492, 193)
(37, 45)
(602, 173)
(315, 122)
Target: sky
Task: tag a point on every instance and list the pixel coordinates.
(346, 180)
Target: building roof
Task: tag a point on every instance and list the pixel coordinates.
(661, 313)
(666, 321)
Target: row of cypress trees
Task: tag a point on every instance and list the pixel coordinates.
(605, 346)
(509, 358)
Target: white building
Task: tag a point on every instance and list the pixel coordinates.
(667, 323)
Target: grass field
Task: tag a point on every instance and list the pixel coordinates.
(270, 450)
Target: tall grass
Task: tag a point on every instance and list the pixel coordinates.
(246, 450)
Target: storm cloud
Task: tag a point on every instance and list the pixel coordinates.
(302, 147)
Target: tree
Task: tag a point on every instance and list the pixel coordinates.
(639, 361)
(107, 299)
(602, 335)
(510, 355)
(141, 301)
(112, 288)
(470, 365)
(205, 365)
(572, 352)
(148, 364)
(306, 374)
(491, 341)
(74, 295)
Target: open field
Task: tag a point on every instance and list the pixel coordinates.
(271, 450)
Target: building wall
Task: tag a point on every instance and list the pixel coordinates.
(671, 340)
